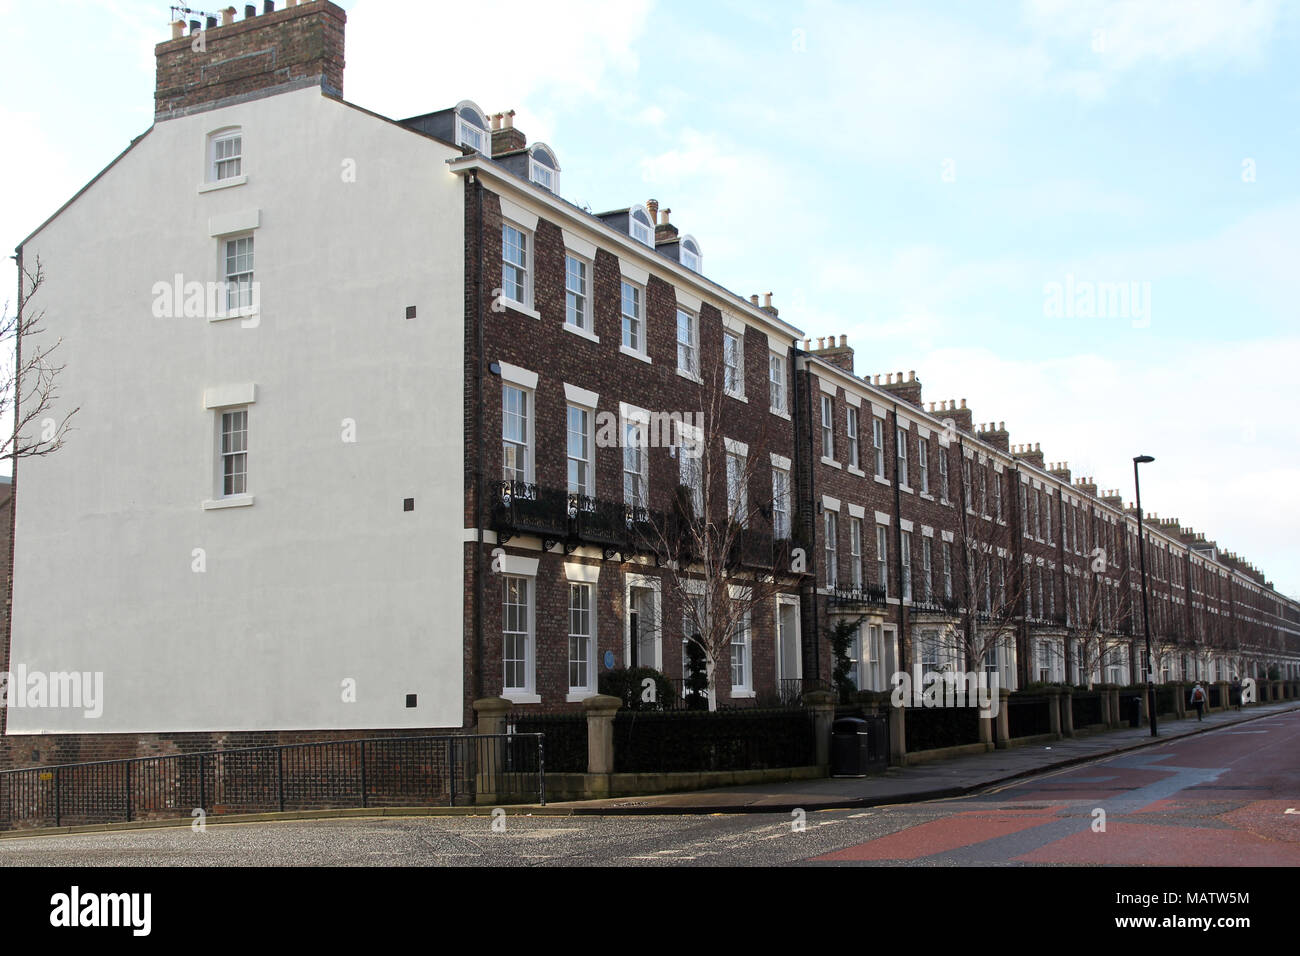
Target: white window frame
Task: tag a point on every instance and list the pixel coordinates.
(855, 552)
(878, 444)
(689, 349)
(906, 556)
(215, 139)
(781, 529)
(239, 280)
(901, 456)
(588, 487)
(733, 371)
(882, 558)
(655, 586)
(737, 464)
(828, 428)
(923, 462)
(223, 454)
(745, 630)
(526, 303)
(581, 691)
(776, 383)
(582, 298)
(788, 600)
(851, 415)
(943, 474)
(927, 567)
(637, 456)
(527, 692)
(635, 319)
(691, 466)
(530, 426)
(636, 228)
(831, 534)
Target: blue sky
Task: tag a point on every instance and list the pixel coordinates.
(913, 176)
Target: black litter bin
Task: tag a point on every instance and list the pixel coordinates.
(850, 747)
(1135, 711)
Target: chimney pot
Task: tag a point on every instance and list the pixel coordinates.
(663, 216)
(250, 11)
(963, 403)
(821, 339)
(195, 27)
(178, 29)
(652, 206)
(510, 119)
(496, 121)
(911, 376)
(767, 300)
(211, 22)
(844, 341)
(227, 16)
(1002, 426)
(754, 301)
(807, 345)
(268, 6)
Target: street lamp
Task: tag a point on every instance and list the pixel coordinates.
(1146, 620)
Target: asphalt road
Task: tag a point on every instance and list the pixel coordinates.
(1218, 799)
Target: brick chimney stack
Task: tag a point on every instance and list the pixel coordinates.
(505, 137)
(1033, 454)
(1087, 486)
(665, 231)
(1060, 469)
(839, 355)
(279, 51)
(996, 434)
(908, 390)
(961, 416)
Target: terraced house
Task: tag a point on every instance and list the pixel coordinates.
(375, 424)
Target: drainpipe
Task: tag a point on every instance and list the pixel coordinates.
(478, 441)
(794, 354)
(904, 643)
(13, 486)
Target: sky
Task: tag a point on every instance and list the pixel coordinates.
(1081, 216)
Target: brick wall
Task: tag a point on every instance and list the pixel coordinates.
(298, 45)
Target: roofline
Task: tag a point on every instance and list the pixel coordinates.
(77, 195)
(478, 162)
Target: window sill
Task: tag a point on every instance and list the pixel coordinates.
(234, 501)
(855, 470)
(737, 694)
(636, 355)
(520, 697)
(578, 696)
(883, 481)
(223, 184)
(738, 396)
(831, 462)
(242, 314)
(690, 376)
(519, 307)
(906, 490)
(927, 497)
(780, 413)
(582, 333)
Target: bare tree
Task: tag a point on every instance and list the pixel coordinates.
(994, 585)
(29, 386)
(1097, 633)
(718, 535)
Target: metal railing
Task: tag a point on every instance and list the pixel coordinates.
(446, 770)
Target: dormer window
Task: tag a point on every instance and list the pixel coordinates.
(472, 128)
(640, 227)
(543, 168)
(691, 254)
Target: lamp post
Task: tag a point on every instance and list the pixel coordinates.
(1146, 620)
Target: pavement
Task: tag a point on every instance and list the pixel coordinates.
(937, 780)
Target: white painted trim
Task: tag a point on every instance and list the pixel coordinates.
(520, 565)
(830, 388)
(904, 524)
(234, 501)
(905, 424)
(851, 399)
(223, 183)
(857, 511)
(580, 396)
(831, 462)
(590, 336)
(634, 273)
(922, 433)
(225, 396)
(779, 461)
(582, 573)
(689, 302)
(856, 471)
(470, 536)
(733, 323)
(578, 246)
(518, 215)
(735, 447)
(632, 413)
(882, 518)
(947, 536)
(518, 376)
(927, 531)
(830, 504)
(640, 356)
(880, 411)
(232, 222)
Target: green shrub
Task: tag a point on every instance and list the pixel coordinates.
(628, 684)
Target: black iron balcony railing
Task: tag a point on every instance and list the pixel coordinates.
(864, 594)
(596, 521)
(526, 508)
(752, 548)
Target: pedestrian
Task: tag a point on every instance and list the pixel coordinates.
(1236, 690)
(1198, 699)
